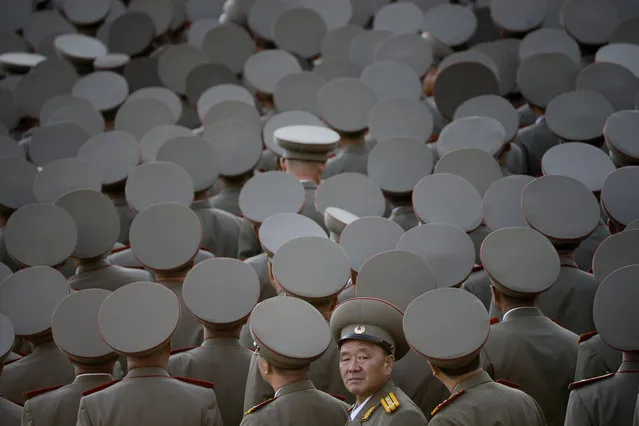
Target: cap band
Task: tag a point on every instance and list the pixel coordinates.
(368, 333)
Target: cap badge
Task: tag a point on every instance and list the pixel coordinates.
(359, 329)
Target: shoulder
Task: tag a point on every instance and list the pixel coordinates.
(195, 382)
(508, 383)
(586, 336)
(582, 383)
(400, 409)
(259, 406)
(182, 350)
(99, 388)
(37, 392)
(446, 403)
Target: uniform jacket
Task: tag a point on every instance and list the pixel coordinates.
(529, 349)
(46, 366)
(150, 397)
(350, 159)
(59, 406)
(478, 284)
(569, 300)
(534, 141)
(298, 403)
(309, 209)
(222, 361)
(100, 274)
(324, 373)
(389, 406)
(248, 244)
(228, 199)
(220, 229)
(606, 400)
(595, 358)
(189, 331)
(404, 216)
(126, 215)
(10, 412)
(586, 250)
(480, 401)
(260, 264)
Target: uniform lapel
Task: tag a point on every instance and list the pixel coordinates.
(372, 405)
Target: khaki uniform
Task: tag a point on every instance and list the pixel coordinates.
(480, 401)
(350, 159)
(595, 358)
(413, 375)
(309, 209)
(534, 141)
(46, 366)
(529, 349)
(569, 300)
(228, 199)
(149, 396)
(374, 413)
(586, 250)
(298, 403)
(219, 360)
(100, 274)
(478, 284)
(126, 214)
(404, 216)
(189, 332)
(10, 412)
(60, 406)
(248, 244)
(606, 400)
(324, 373)
(220, 229)
(260, 264)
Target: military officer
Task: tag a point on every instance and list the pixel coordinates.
(276, 231)
(324, 268)
(527, 348)
(98, 225)
(169, 253)
(221, 294)
(75, 331)
(9, 410)
(453, 355)
(613, 311)
(28, 299)
(570, 299)
(618, 133)
(370, 336)
(344, 104)
(618, 200)
(397, 165)
(284, 364)
(410, 373)
(147, 395)
(116, 154)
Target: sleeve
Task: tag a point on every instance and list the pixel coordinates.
(212, 415)
(589, 363)
(576, 414)
(27, 418)
(408, 418)
(83, 415)
(257, 390)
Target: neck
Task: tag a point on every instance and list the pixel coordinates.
(452, 382)
(278, 381)
(311, 175)
(80, 262)
(201, 195)
(175, 275)
(630, 357)
(106, 368)
(212, 333)
(344, 141)
(39, 340)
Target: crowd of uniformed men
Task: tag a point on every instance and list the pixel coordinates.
(341, 212)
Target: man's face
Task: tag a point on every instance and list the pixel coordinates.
(364, 367)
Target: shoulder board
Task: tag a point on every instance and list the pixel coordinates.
(119, 249)
(494, 320)
(351, 408)
(447, 402)
(340, 397)
(258, 406)
(390, 403)
(99, 388)
(586, 336)
(36, 392)
(477, 268)
(180, 350)
(12, 401)
(557, 322)
(369, 413)
(331, 155)
(12, 361)
(202, 383)
(507, 383)
(581, 383)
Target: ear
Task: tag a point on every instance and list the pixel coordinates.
(436, 371)
(389, 362)
(496, 297)
(282, 163)
(264, 366)
(271, 278)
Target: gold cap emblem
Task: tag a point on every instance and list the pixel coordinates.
(359, 329)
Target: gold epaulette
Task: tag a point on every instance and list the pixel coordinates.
(447, 402)
(390, 403)
(258, 406)
(369, 413)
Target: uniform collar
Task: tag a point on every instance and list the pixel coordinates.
(354, 149)
(523, 312)
(224, 341)
(473, 381)
(407, 208)
(629, 367)
(92, 378)
(119, 202)
(230, 190)
(92, 266)
(568, 261)
(375, 399)
(308, 184)
(45, 347)
(146, 372)
(294, 387)
(200, 204)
